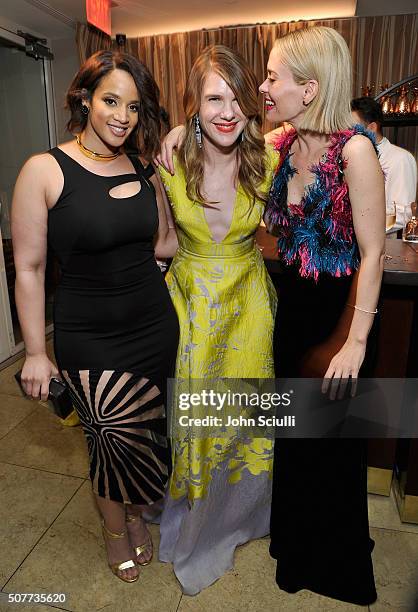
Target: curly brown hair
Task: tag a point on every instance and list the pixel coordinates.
(251, 150)
(146, 136)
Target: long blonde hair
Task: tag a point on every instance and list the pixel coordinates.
(321, 53)
(239, 77)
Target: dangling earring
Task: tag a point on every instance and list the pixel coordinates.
(197, 131)
(85, 109)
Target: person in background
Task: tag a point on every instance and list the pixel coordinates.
(398, 165)
(115, 327)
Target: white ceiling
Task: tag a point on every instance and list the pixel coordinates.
(150, 17)
(56, 18)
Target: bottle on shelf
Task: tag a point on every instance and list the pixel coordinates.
(410, 231)
(402, 106)
(386, 102)
(367, 91)
(390, 216)
(414, 104)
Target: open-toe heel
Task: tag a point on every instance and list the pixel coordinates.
(142, 548)
(121, 565)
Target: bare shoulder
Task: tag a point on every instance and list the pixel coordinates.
(43, 166)
(359, 145)
(38, 165)
(271, 137)
(42, 175)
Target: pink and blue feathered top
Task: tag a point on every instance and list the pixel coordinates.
(317, 234)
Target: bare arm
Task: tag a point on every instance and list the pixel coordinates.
(365, 182)
(175, 137)
(166, 243)
(270, 137)
(172, 141)
(29, 234)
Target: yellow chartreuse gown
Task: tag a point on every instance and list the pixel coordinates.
(226, 304)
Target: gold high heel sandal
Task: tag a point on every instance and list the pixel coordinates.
(139, 550)
(122, 565)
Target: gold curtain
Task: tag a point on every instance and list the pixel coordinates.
(383, 49)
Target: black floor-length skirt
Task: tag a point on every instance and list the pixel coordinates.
(319, 521)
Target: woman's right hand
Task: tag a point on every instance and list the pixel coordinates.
(36, 373)
(173, 140)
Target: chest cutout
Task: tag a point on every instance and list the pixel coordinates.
(126, 190)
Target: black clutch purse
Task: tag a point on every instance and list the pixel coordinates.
(59, 396)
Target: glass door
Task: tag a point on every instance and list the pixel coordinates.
(25, 130)
(6, 327)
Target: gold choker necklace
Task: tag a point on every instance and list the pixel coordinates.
(96, 156)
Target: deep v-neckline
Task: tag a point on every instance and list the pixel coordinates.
(315, 169)
(230, 225)
(320, 237)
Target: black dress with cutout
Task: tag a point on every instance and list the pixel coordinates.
(116, 330)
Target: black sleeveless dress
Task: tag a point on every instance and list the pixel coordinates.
(116, 330)
(319, 520)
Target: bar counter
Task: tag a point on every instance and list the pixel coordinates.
(397, 357)
(401, 261)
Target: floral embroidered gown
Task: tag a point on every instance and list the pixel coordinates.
(220, 490)
(319, 522)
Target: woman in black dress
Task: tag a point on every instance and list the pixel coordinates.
(327, 208)
(116, 330)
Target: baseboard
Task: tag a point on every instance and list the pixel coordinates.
(407, 504)
(379, 480)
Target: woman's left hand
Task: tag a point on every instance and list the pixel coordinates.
(345, 364)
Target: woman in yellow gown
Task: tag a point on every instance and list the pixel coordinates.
(220, 489)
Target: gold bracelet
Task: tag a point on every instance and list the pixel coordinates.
(373, 312)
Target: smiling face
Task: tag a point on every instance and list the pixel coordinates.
(283, 96)
(113, 112)
(221, 118)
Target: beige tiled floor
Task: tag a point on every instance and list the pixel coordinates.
(50, 538)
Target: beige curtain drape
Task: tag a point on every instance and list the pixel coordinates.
(89, 40)
(383, 49)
